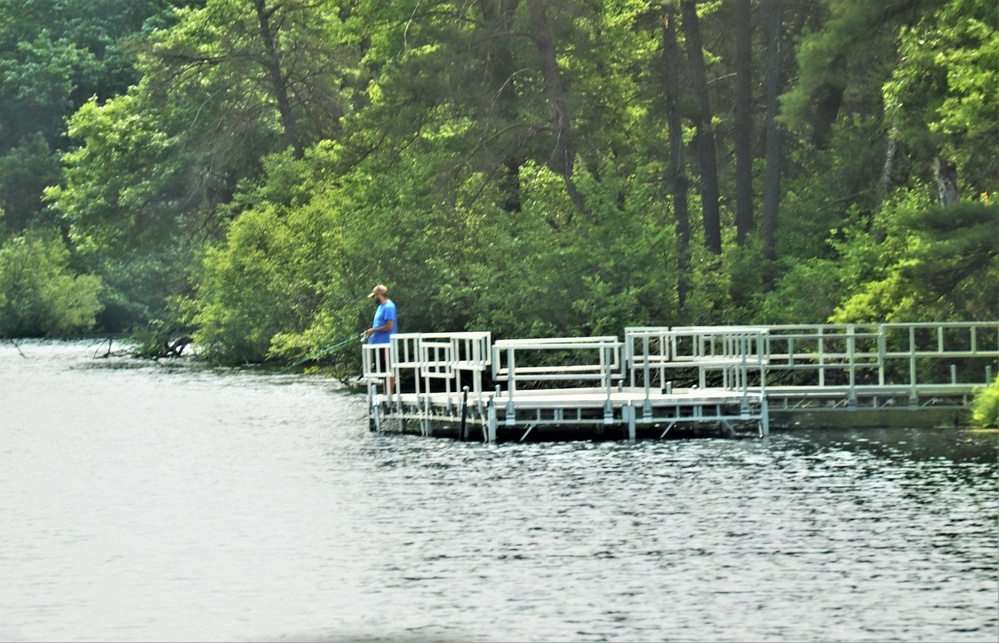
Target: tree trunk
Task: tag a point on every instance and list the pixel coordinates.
(676, 175)
(828, 99)
(743, 121)
(886, 180)
(498, 16)
(705, 131)
(771, 191)
(888, 168)
(561, 123)
(946, 175)
(279, 81)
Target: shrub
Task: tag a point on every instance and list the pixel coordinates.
(985, 408)
(39, 295)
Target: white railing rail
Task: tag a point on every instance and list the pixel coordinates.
(596, 359)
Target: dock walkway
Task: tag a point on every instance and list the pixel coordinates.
(726, 378)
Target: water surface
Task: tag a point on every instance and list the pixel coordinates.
(148, 502)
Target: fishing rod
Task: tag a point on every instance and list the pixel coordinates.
(322, 352)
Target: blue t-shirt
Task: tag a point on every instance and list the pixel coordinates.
(383, 314)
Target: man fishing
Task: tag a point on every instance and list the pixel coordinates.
(384, 325)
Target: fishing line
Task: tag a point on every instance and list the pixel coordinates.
(321, 353)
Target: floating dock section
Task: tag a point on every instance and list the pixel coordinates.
(721, 379)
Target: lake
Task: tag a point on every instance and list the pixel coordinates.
(144, 501)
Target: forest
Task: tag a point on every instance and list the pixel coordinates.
(242, 172)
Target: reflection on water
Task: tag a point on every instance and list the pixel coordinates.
(148, 502)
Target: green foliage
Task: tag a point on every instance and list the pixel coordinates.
(985, 407)
(808, 293)
(942, 94)
(946, 269)
(596, 275)
(122, 186)
(265, 169)
(38, 294)
(54, 56)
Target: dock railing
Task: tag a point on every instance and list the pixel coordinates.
(430, 361)
(593, 359)
(794, 366)
(587, 359)
(655, 356)
(917, 359)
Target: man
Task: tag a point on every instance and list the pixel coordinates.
(383, 327)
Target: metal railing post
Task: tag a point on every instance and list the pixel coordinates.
(744, 348)
(605, 364)
(701, 380)
(822, 358)
(881, 355)
(851, 344)
(645, 365)
(511, 413)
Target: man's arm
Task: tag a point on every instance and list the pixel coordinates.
(389, 325)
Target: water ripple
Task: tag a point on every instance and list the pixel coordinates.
(140, 502)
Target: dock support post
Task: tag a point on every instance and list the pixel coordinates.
(764, 417)
(464, 415)
(491, 426)
(631, 412)
(371, 406)
(425, 416)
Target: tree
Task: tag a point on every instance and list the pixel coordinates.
(158, 166)
(54, 56)
(743, 120)
(561, 119)
(946, 255)
(255, 62)
(771, 193)
(39, 295)
(941, 98)
(676, 174)
(707, 154)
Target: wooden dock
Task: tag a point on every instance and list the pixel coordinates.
(718, 379)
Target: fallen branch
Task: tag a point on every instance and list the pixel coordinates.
(19, 352)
